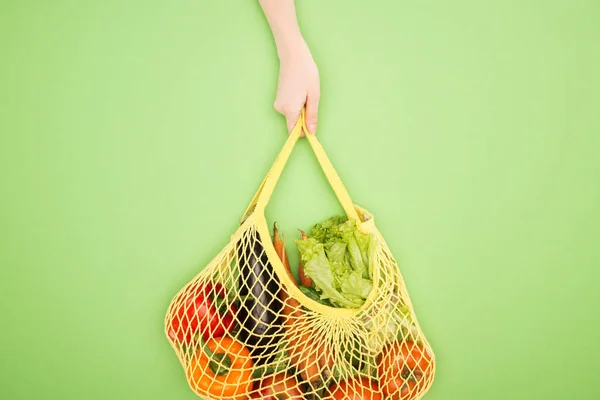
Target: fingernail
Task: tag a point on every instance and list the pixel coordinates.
(312, 128)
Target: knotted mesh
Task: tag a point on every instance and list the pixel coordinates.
(241, 329)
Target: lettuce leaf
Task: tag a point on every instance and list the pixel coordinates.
(318, 268)
(338, 257)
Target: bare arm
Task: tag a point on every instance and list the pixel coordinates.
(298, 83)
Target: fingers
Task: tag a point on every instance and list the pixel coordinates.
(292, 118)
(291, 112)
(312, 110)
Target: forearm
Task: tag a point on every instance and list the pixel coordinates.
(298, 84)
(281, 16)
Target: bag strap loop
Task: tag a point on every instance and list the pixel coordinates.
(263, 194)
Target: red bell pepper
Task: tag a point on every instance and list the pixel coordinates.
(204, 310)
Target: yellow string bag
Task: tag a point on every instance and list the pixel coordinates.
(243, 329)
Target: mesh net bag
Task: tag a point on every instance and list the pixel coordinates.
(243, 329)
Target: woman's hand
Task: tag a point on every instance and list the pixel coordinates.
(298, 84)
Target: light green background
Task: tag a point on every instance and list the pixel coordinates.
(133, 134)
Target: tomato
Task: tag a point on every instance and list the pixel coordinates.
(355, 389)
(205, 311)
(208, 378)
(280, 387)
(404, 370)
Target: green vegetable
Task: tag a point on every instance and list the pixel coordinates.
(338, 258)
(313, 294)
(393, 323)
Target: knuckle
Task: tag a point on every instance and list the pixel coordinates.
(289, 109)
(278, 106)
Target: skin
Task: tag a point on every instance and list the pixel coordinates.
(299, 83)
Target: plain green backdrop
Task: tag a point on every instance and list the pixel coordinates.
(133, 134)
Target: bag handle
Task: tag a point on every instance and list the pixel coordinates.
(263, 194)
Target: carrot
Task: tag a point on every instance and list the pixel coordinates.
(313, 363)
(309, 366)
(326, 358)
(291, 306)
(277, 243)
(304, 280)
(309, 361)
(304, 235)
(280, 250)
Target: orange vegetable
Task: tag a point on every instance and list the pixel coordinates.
(404, 370)
(223, 369)
(280, 387)
(304, 280)
(355, 389)
(291, 307)
(308, 360)
(280, 250)
(312, 361)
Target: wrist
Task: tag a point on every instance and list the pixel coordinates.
(291, 47)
